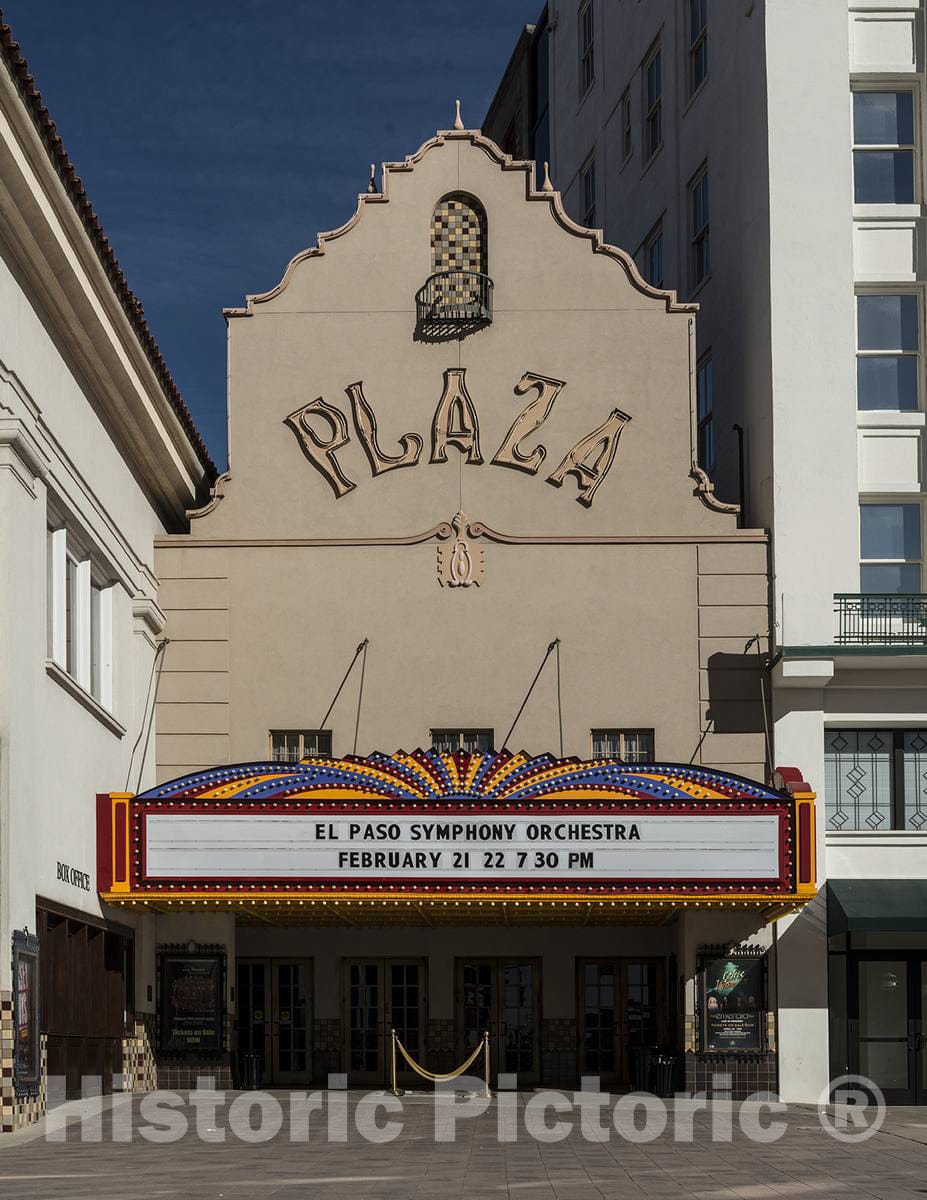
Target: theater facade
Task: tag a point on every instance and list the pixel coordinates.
(461, 723)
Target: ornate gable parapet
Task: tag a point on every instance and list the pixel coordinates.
(545, 194)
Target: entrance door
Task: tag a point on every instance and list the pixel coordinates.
(381, 994)
(501, 995)
(621, 1004)
(888, 1007)
(273, 1016)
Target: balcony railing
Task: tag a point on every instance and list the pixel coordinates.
(881, 619)
(454, 298)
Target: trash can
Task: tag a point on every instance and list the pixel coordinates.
(250, 1070)
(642, 1060)
(664, 1075)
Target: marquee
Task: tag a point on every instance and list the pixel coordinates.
(426, 835)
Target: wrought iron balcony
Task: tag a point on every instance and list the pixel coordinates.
(454, 302)
(881, 619)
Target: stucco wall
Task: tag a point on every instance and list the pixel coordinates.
(653, 593)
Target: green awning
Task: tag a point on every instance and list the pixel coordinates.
(877, 905)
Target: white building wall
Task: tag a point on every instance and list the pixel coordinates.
(87, 438)
(789, 250)
(58, 748)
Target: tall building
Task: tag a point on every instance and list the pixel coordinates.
(765, 160)
(98, 455)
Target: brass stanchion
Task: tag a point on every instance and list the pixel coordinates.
(486, 1063)
(394, 1090)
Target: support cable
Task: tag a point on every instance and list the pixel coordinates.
(755, 641)
(559, 699)
(360, 691)
(361, 649)
(148, 717)
(550, 649)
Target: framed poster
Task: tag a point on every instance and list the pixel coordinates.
(27, 1042)
(733, 1003)
(192, 996)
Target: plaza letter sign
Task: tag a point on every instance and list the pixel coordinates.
(456, 423)
(435, 825)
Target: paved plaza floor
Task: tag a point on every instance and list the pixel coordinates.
(804, 1162)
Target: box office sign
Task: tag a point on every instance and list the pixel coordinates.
(733, 1003)
(462, 847)
(192, 1001)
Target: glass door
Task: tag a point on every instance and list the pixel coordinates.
(921, 1039)
(599, 1035)
(887, 1007)
(621, 1006)
(380, 995)
(290, 1029)
(273, 1017)
(501, 995)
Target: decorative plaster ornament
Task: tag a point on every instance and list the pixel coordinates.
(458, 122)
(460, 564)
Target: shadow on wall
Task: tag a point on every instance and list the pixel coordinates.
(801, 947)
(735, 695)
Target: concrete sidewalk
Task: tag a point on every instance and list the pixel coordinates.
(804, 1162)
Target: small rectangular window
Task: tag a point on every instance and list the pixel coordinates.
(293, 745)
(699, 244)
(586, 48)
(890, 548)
(887, 352)
(587, 193)
(625, 117)
(705, 411)
(628, 745)
(466, 741)
(698, 44)
(653, 103)
(883, 147)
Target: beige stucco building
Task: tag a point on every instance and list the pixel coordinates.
(462, 497)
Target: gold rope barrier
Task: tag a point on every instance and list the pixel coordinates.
(435, 1077)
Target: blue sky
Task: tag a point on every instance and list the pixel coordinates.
(215, 138)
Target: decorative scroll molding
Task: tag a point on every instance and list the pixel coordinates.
(472, 530)
(149, 615)
(705, 490)
(595, 237)
(216, 493)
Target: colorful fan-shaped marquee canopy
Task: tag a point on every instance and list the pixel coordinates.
(429, 775)
(431, 836)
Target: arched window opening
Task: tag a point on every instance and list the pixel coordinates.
(458, 294)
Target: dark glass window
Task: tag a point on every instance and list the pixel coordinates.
(698, 44)
(875, 779)
(883, 147)
(653, 103)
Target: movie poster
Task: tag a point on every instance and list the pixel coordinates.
(733, 1004)
(26, 1052)
(191, 1002)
